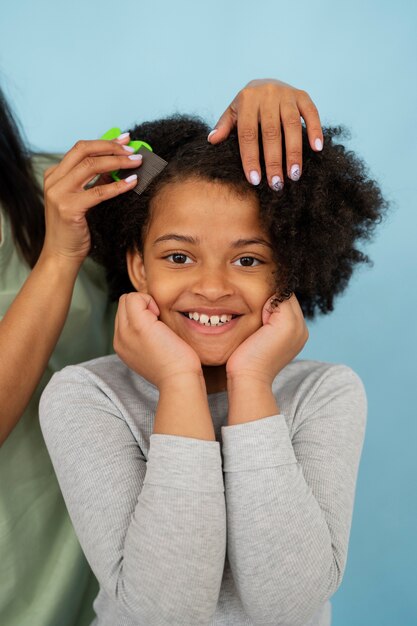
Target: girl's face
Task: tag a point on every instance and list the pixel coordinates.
(208, 264)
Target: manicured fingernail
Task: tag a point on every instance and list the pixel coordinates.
(130, 178)
(135, 157)
(295, 172)
(255, 179)
(123, 136)
(318, 144)
(276, 183)
(128, 149)
(210, 135)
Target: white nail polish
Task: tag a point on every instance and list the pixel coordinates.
(318, 144)
(295, 172)
(128, 149)
(135, 157)
(255, 179)
(211, 133)
(276, 183)
(123, 136)
(130, 178)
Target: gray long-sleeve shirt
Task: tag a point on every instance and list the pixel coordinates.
(250, 529)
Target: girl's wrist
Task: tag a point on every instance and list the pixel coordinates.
(250, 399)
(240, 381)
(182, 382)
(183, 408)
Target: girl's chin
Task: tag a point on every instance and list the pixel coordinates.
(207, 363)
(211, 356)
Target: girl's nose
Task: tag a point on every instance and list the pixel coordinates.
(212, 283)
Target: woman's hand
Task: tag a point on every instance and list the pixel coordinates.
(147, 345)
(67, 200)
(272, 104)
(281, 337)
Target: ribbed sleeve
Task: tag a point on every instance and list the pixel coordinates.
(184, 463)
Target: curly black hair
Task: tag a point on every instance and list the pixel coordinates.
(314, 224)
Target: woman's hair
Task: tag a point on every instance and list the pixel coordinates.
(314, 224)
(20, 194)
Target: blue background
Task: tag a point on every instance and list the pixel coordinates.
(74, 69)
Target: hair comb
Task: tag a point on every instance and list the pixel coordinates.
(151, 166)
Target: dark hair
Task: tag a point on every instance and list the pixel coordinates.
(20, 195)
(313, 224)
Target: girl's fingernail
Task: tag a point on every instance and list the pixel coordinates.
(295, 172)
(277, 184)
(255, 179)
(123, 136)
(130, 178)
(210, 135)
(128, 149)
(135, 157)
(318, 144)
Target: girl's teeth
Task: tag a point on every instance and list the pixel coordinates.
(213, 320)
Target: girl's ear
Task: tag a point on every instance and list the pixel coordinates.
(136, 271)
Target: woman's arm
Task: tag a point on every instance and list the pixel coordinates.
(153, 529)
(32, 324)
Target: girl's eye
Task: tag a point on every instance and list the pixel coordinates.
(179, 258)
(248, 261)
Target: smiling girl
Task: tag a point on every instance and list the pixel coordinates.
(210, 477)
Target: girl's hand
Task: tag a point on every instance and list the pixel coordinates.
(147, 345)
(281, 337)
(67, 201)
(272, 104)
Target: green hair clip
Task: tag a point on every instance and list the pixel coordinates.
(152, 165)
(114, 133)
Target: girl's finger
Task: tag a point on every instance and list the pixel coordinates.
(291, 122)
(82, 150)
(311, 117)
(272, 144)
(142, 311)
(153, 307)
(136, 301)
(268, 309)
(120, 322)
(120, 313)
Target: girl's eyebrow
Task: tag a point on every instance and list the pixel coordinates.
(195, 240)
(176, 237)
(239, 243)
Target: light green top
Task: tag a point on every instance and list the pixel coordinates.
(44, 577)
